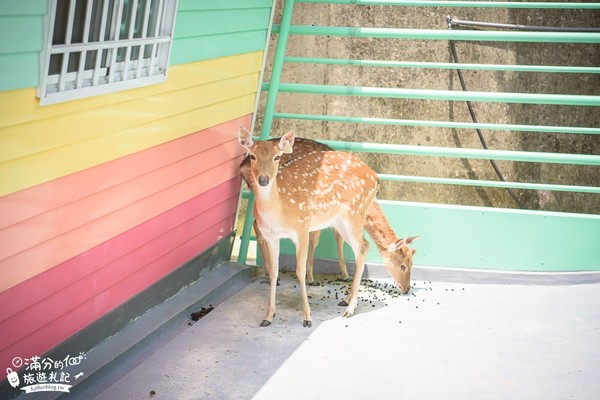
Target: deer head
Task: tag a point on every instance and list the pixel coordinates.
(398, 261)
(265, 155)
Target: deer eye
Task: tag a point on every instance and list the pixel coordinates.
(252, 157)
(277, 158)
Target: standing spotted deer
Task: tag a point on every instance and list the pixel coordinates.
(301, 146)
(313, 190)
(396, 254)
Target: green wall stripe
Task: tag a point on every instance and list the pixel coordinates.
(18, 70)
(20, 34)
(222, 5)
(203, 30)
(200, 23)
(23, 7)
(187, 50)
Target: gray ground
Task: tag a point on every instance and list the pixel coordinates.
(441, 341)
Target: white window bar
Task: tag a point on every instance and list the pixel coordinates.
(105, 35)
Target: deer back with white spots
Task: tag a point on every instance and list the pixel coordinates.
(310, 192)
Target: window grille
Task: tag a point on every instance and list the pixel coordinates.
(94, 47)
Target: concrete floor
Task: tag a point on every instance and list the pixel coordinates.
(442, 340)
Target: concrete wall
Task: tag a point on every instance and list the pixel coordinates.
(418, 50)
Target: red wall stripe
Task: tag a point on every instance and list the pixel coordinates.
(37, 289)
(74, 304)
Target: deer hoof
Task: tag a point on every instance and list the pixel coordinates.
(265, 323)
(348, 314)
(314, 284)
(346, 279)
(343, 303)
(307, 324)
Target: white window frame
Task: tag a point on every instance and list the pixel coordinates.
(112, 50)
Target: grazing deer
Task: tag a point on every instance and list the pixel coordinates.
(311, 192)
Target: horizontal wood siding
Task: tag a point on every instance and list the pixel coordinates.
(159, 182)
(21, 37)
(104, 196)
(203, 30)
(59, 302)
(94, 133)
(238, 26)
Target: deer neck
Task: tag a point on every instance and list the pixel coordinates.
(268, 199)
(379, 229)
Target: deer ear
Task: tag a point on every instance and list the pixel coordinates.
(411, 239)
(245, 138)
(286, 143)
(397, 245)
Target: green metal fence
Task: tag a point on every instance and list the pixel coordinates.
(516, 239)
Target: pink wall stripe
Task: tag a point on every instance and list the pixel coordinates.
(61, 233)
(74, 304)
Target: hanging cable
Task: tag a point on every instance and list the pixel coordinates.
(479, 133)
(452, 22)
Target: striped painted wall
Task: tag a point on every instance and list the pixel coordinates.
(102, 197)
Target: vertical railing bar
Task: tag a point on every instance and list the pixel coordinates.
(100, 52)
(116, 37)
(68, 36)
(130, 33)
(156, 32)
(140, 59)
(87, 22)
(250, 204)
(286, 21)
(84, 40)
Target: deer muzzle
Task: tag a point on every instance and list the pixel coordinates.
(263, 180)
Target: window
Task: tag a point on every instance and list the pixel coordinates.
(101, 46)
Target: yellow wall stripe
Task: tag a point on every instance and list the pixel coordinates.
(42, 167)
(20, 106)
(60, 142)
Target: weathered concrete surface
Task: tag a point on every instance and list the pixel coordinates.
(483, 52)
(443, 340)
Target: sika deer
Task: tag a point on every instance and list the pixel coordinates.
(301, 147)
(310, 192)
(396, 254)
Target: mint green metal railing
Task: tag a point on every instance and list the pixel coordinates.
(441, 124)
(434, 65)
(465, 4)
(444, 95)
(435, 34)
(275, 86)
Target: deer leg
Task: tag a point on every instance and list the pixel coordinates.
(312, 245)
(301, 255)
(262, 246)
(340, 250)
(272, 266)
(361, 256)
